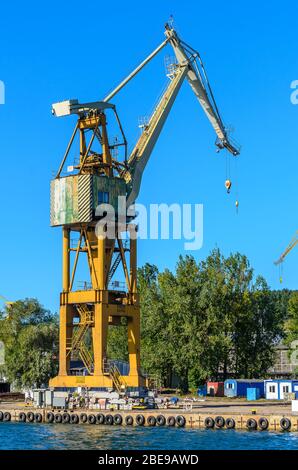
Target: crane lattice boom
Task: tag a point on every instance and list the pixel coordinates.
(289, 248)
(190, 66)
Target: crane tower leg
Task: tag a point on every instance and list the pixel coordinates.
(91, 311)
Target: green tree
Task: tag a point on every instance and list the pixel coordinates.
(208, 319)
(155, 354)
(30, 335)
(258, 331)
(117, 346)
(291, 326)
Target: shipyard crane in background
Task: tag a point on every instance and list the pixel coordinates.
(100, 177)
(8, 303)
(289, 248)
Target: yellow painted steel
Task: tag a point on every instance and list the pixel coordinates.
(93, 309)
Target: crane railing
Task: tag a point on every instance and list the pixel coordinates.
(86, 357)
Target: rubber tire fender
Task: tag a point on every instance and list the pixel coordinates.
(1, 415)
(160, 420)
(91, 419)
(65, 418)
(219, 421)
(22, 417)
(230, 423)
(50, 417)
(6, 417)
(285, 424)
(58, 418)
(118, 419)
(263, 423)
(38, 418)
(109, 420)
(83, 418)
(180, 421)
(251, 424)
(30, 417)
(151, 421)
(209, 423)
(74, 418)
(171, 421)
(140, 420)
(100, 418)
(128, 420)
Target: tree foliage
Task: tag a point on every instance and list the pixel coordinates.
(291, 325)
(207, 319)
(30, 336)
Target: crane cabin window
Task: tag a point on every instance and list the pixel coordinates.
(103, 197)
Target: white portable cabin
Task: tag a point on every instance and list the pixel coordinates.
(277, 389)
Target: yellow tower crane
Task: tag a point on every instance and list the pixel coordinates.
(81, 203)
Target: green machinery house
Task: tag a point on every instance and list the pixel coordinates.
(74, 199)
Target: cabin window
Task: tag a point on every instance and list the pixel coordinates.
(285, 389)
(230, 386)
(272, 389)
(103, 197)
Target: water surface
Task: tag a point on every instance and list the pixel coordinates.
(64, 436)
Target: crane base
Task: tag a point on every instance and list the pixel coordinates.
(95, 381)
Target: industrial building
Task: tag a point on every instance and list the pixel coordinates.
(215, 389)
(279, 389)
(238, 387)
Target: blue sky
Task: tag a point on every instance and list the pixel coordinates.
(66, 50)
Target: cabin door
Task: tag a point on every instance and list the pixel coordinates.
(272, 390)
(285, 388)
